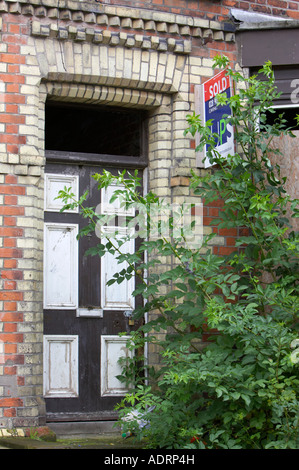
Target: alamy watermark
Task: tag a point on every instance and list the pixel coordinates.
(295, 353)
(295, 92)
(180, 222)
(2, 92)
(2, 350)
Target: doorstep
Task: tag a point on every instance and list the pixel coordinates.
(112, 442)
(83, 428)
(106, 442)
(79, 435)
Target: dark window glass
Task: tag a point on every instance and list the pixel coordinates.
(93, 130)
(288, 114)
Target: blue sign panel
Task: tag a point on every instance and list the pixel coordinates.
(211, 88)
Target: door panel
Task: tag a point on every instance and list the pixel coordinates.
(82, 317)
(112, 346)
(114, 207)
(60, 266)
(61, 366)
(120, 297)
(55, 183)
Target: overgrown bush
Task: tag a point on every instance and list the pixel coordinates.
(239, 389)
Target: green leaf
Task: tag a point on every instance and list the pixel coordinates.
(246, 398)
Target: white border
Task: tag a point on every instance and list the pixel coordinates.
(105, 339)
(74, 272)
(66, 180)
(74, 365)
(130, 284)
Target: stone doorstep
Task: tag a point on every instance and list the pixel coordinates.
(26, 443)
(63, 429)
(27, 438)
(102, 442)
(99, 435)
(41, 432)
(84, 428)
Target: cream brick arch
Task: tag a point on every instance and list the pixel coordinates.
(110, 66)
(101, 74)
(101, 95)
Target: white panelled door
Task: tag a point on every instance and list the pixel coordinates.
(82, 315)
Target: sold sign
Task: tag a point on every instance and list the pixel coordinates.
(210, 110)
(216, 85)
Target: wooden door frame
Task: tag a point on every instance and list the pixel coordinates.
(121, 161)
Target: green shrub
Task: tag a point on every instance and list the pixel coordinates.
(240, 388)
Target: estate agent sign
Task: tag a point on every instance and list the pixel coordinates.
(207, 107)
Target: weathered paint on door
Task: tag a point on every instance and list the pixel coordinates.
(82, 316)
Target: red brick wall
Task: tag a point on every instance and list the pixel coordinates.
(10, 295)
(13, 35)
(15, 31)
(211, 212)
(217, 9)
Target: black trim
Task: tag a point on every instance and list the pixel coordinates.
(121, 161)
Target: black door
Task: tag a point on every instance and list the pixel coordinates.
(81, 320)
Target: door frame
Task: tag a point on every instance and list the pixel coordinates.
(120, 162)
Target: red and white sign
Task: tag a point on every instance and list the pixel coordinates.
(216, 85)
(210, 110)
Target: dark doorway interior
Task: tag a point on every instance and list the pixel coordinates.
(94, 130)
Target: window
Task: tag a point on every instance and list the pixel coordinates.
(93, 130)
(289, 114)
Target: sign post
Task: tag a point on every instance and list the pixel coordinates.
(207, 108)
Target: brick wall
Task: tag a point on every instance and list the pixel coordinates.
(216, 9)
(150, 56)
(20, 329)
(20, 318)
(10, 295)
